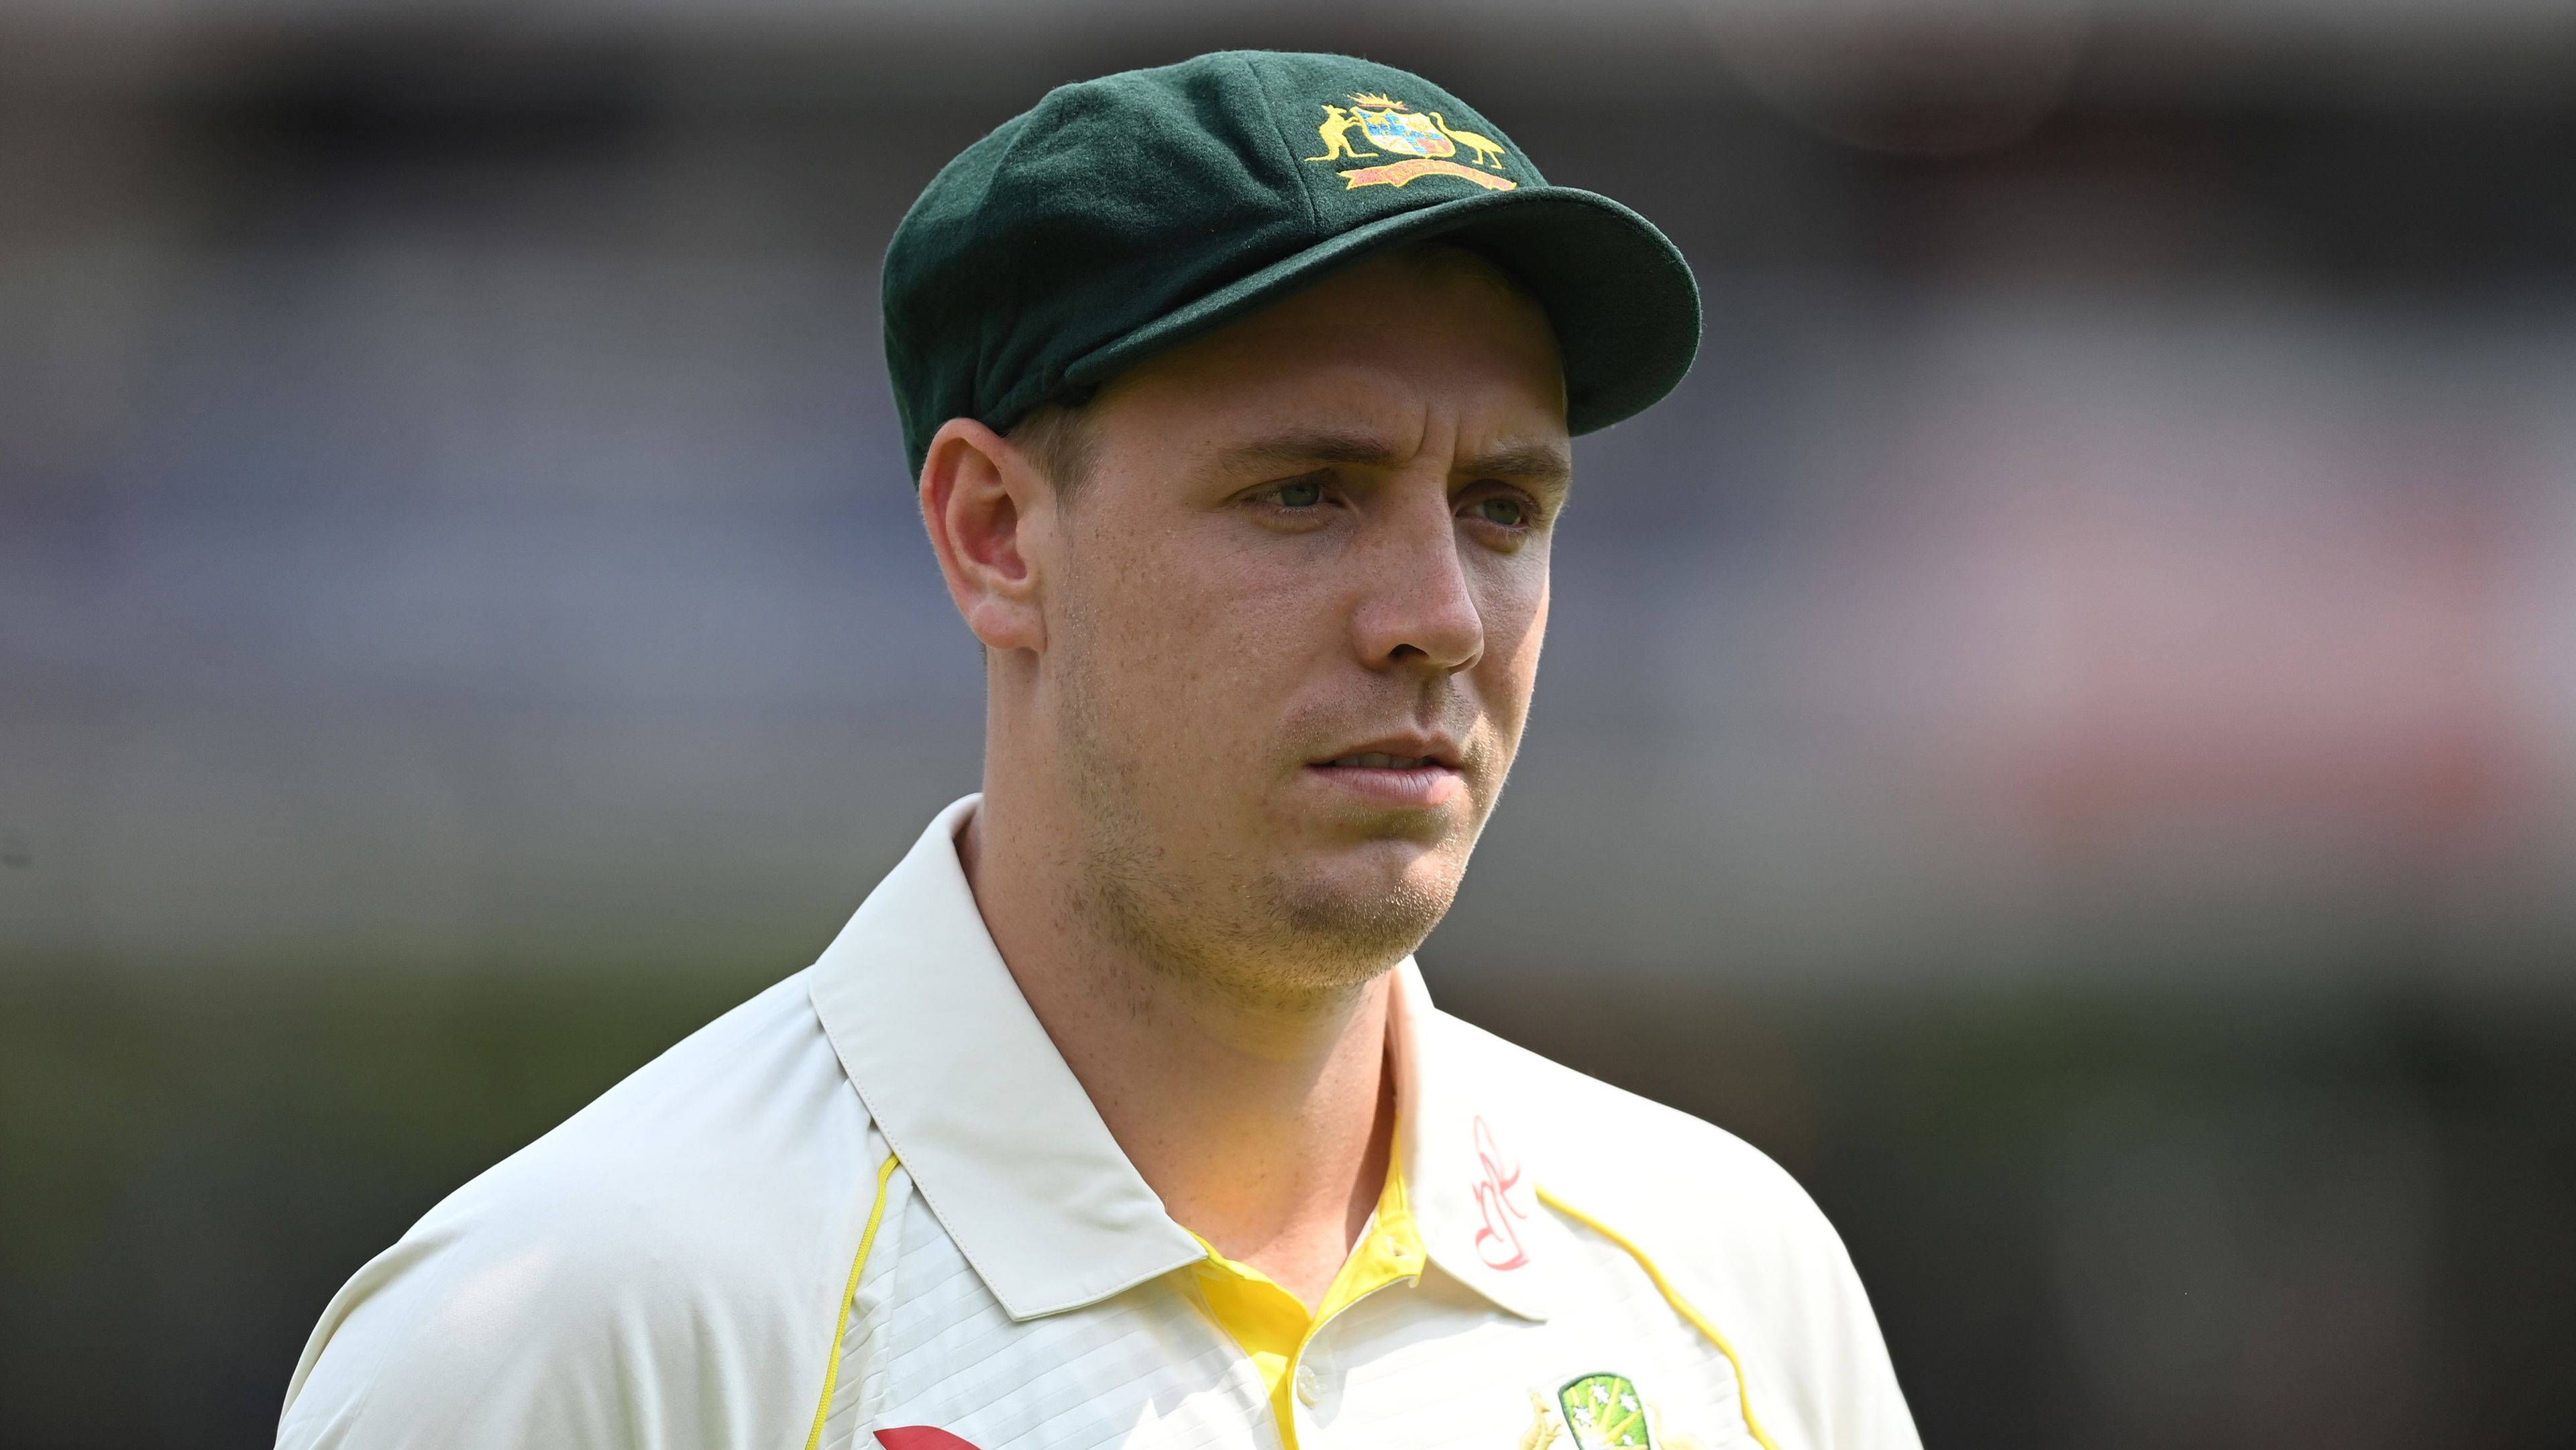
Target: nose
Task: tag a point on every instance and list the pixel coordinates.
(1419, 610)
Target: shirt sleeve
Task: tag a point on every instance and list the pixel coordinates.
(450, 1344)
(664, 1269)
(1816, 1367)
(1857, 1405)
(549, 1334)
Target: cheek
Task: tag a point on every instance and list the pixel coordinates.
(1515, 615)
(1197, 633)
(1243, 594)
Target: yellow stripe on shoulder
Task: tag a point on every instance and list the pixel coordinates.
(1673, 1297)
(849, 1296)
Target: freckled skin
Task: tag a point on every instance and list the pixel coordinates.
(1211, 633)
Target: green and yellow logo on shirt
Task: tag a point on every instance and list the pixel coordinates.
(1604, 1412)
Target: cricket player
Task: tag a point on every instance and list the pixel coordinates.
(1238, 395)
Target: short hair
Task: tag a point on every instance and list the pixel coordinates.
(1058, 438)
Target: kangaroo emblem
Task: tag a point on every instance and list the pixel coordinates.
(1419, 143)
(1486, 151)
(1336, 132)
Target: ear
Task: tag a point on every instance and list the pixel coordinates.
(990, 514)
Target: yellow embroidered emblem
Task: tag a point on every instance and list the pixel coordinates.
(1544, 1430)
(1426, 140)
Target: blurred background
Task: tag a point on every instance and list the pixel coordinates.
(2063, 732)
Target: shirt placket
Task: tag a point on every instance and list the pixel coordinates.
(1312, 1389)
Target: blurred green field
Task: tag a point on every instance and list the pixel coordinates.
(2290, 1221)
(188, 1169)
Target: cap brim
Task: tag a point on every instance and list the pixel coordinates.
(1623, 303)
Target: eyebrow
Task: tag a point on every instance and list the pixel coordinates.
(1538, 463)
(1522, 463)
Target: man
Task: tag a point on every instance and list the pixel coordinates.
(1118, 1114)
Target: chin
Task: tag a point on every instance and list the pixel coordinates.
(1374, 902)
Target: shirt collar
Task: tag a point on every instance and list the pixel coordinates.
(1473, 1200)
(1000, 1140)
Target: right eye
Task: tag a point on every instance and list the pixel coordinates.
(1304, 493)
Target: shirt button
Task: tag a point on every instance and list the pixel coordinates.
(1309, 1388)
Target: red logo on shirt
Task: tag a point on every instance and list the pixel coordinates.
(1497, 1243)
(920, 1437)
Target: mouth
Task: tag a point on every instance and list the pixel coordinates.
(1377, 760)
(1413, 773)
(1396, 752)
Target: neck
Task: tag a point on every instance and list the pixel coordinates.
(1264, 1125)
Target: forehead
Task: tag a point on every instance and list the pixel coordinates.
(1434, 335)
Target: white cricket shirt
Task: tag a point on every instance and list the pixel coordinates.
(871, 1207)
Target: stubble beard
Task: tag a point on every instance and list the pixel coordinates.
(1247, 928)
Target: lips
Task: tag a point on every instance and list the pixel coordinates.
(1408, 772)
(1408, 751)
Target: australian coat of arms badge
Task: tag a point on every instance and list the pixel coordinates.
(1375, 126)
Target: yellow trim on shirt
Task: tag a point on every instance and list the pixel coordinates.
(1673, 1297)
(849, 1296)
(1273, 1326)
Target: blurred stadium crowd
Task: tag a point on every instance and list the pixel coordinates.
(2064, 732)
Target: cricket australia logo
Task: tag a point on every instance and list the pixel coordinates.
(1387, 126)
(1598, 1412)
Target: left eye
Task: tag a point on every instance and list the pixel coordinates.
(1511, 513)
(1303, 494)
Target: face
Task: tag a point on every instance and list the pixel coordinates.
(1292, 615)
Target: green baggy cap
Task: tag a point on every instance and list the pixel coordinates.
(1122, 215)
